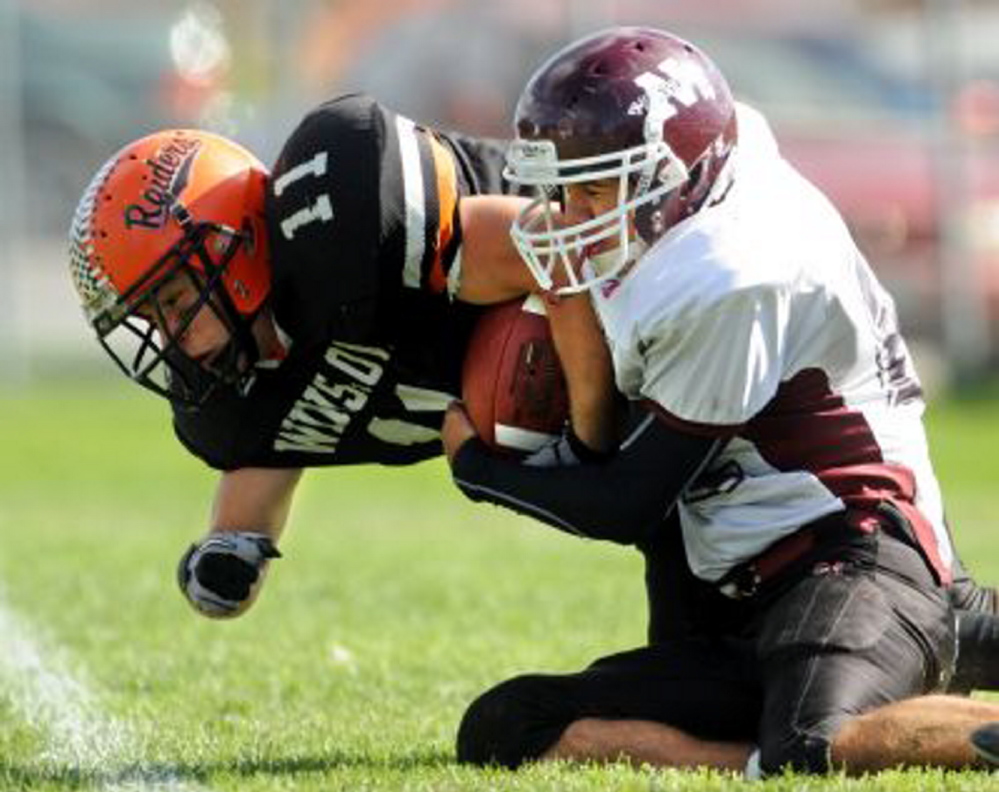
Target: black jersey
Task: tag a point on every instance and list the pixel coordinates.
(364, 230)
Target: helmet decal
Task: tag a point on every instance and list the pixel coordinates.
(92, 283)
(170, 172)
(676, 84)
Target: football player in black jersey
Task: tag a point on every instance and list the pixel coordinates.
(314, 315)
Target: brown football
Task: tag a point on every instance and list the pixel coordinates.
(512, 382)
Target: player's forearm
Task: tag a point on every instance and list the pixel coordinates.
(622, 500)
(254, 499)
(491, 267)
(221, 574)
(577, 500)
(589, 372)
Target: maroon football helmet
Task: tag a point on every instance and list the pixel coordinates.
(636, 104)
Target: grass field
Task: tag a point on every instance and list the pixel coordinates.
(396, 602)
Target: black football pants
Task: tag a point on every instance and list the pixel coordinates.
(860, 624)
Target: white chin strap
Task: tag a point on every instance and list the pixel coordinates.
(605, 266)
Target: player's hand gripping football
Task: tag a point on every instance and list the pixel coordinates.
(220, 575)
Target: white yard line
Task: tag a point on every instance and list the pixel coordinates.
(42, 688)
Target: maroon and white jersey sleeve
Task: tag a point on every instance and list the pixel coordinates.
(759, 320)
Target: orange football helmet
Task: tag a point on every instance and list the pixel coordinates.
(178, 202)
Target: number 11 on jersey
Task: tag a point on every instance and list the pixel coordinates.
(321, 209)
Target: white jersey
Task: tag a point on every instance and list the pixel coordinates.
(758, 319)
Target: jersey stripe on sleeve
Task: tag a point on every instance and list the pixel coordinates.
(412, 177)
(447, 201)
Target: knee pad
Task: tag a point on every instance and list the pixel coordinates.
(514, 722)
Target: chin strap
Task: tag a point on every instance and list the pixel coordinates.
(613, 263)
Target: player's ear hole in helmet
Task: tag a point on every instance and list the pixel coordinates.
(634, 104)
(178, 211)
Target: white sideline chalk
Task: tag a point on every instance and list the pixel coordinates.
(42, 689)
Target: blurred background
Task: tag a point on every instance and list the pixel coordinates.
(890, 106)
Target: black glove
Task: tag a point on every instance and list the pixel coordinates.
(218, 574)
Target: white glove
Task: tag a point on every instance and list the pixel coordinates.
(557, 452)
(566, 450)
(220, 575)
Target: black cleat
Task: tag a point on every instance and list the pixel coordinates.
(977, 653)
(967, 595)
(985, 740)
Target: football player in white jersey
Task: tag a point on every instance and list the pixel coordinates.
(782, 451)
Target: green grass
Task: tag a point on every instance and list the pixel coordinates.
(396, 603)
